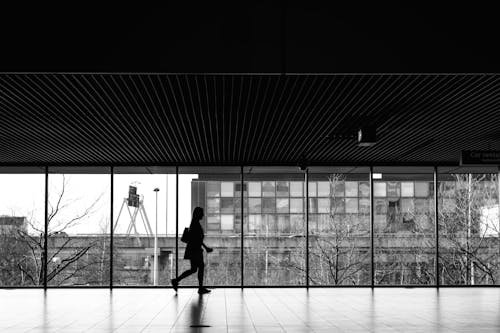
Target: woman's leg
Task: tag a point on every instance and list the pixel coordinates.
(201, 271)
(188, 272)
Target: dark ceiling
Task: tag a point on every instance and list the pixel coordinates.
(255, 36)
(149, 119)
(249, 82)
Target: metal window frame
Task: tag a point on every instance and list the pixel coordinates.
(372, 284)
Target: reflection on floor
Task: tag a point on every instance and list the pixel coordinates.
(251, 310)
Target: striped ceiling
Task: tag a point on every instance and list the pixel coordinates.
(156, 119)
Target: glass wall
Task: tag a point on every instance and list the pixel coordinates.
(274, 226)
(218, 191)
(469, 243)
(22, 205)
(404, 226)
(143, 217)
(78, 227)
(339, 226)
(269, 207)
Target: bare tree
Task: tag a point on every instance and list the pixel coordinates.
(68, 257)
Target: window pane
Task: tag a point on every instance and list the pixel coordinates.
(339, 234)
(268, 189)
(268, 205)
(313, 205)
(312, 189)
(237, 189)
(78, 229)
(351, 189)
(255, 189)
(227, 205)
(282, 205)
(22, 209)
(323, 205)
(254, 205)
(351, 205)
(296, 189)
(213, 205)
(323, 189)
(364, 189)
(404, 243)
(407, 189)
(227, 189)
(271, 256)
(364, 206)
(213, 189)
(393, 189)
(227, 222)
(296, 205)
(379, 189)
(282, 189)
(422, 189)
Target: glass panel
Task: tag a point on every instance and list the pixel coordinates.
(296, 205)
(323, 205)
(379, 189)
(312, 189)
(296, 189)
(339, 237)
(255, 189)
(422, 189)
(227, 189)
(272, 256)
(469, 240)
(254, 205)
(213, 189)
(407, 189)
(364, 189)
(213, 205)
(222, 228)
(268, 189)
(404, 243)
(282, 205)
(22, 207)
(323, 189)
(282, 189)
(227, 205)
(79, 226)
(351, 189)
(135, 225)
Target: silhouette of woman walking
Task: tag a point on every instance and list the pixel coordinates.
(194, 252)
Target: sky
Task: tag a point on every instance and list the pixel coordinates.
(23, 195)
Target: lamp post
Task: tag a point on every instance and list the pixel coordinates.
(155, 253)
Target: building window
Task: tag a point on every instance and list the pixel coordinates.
(282, 205)
(312, 189)
(296, 189)
(268, 189)
(227, 189)
(323, 189)
(339, 188)
(254, 205)
(351, 189)
(227, 222)
(393, 189)
(379, 189)
(268, 205)
(282, 189)
(227, 205)
(364, 189)
(422, 189)
(296, 205)
(213, 205)
(213, 189)
(323, 205)
(407, 189)
(254, 189)
(351, 205)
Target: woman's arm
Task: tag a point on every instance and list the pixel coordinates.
(208, 249)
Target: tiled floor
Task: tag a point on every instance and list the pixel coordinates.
(251, 310)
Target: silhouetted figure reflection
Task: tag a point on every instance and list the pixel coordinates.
(194, 252)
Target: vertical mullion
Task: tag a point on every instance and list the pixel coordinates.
(46, 229)
(242, 221)
(436, 225)
(111, 244)
(306, 176)
(176, 221)
(372, 264)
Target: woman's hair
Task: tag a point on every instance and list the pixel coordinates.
(197, 215)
